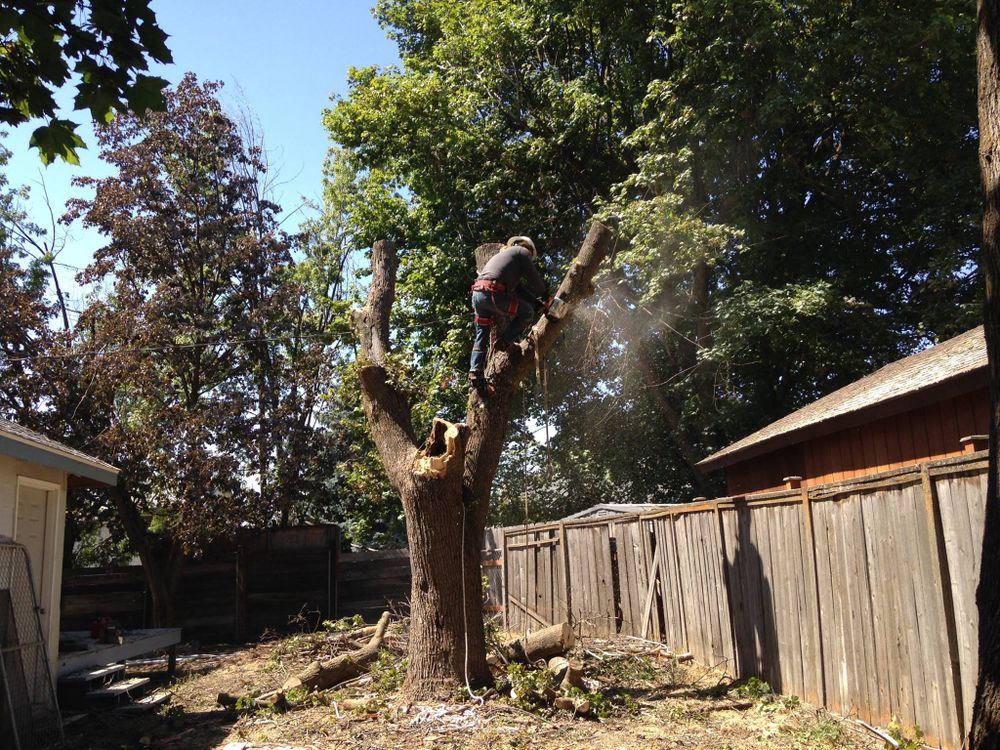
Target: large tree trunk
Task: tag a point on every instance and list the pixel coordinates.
(986, 713)
(445, 485)
(162, 572)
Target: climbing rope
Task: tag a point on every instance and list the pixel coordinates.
(465, 612)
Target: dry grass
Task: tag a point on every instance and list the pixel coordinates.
(652, 702)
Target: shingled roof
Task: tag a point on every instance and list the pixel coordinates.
(28, 445)
(898, 382)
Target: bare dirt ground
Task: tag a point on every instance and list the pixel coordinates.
(647, 700)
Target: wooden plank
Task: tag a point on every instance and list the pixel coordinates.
(567, 579)
(623, 544)
(951, 712)
(864, 683)
(905, 558)
(513, 586)
(817, 693)
(896, 618)
(602, 546)
(825, 591)
(647, 541)
(966, 518)
(532, 613)
(717, 541)
(771, 635)
(505, 556)
(879, 573)
(654, 575)
(687, 585)
(843, 578)
(537, 542)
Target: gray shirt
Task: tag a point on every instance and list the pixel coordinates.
(513, 266)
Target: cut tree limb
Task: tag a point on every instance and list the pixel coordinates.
(322, 675)
(445, 445)
(542, 644)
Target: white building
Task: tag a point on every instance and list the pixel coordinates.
(35, 473)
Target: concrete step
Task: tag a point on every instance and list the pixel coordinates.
(93, 675)
(149, 703)
(119, 689)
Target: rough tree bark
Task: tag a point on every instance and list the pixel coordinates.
(986, 712)
(445, 485)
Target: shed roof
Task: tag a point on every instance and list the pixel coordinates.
(892, 389)
(28, 445)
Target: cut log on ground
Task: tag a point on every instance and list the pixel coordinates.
(552, 641)
(574, 675)
(323, 675)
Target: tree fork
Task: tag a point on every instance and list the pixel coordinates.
(445, 485)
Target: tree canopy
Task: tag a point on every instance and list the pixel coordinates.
(105, 46)
(798, 204)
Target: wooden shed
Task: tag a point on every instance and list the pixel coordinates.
(35, 473)
(933, 404)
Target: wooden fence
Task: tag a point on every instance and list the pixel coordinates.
(281, 580)
(858, 596)
(263, 581)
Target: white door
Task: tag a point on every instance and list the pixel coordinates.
(29, 530)
(33, 527)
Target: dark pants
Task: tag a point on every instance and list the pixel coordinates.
(488, 307)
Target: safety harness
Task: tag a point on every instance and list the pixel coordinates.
(494, 287)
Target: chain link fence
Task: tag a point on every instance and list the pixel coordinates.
(29, 713)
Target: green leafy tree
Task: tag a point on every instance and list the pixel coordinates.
(803, 210)
(106, 45)
(797, 202)
(25, 336)
(202, 354)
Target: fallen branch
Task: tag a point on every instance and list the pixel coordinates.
(365, 632)
(541, 644)
(323, 675)
(879, 733)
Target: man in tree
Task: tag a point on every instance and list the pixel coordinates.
(503, 288)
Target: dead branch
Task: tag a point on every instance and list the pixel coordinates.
(322, 675)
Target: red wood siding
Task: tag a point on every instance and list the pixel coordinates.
(930, 432)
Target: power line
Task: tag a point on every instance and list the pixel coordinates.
(338, 335)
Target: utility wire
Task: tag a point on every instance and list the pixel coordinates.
(340, 335)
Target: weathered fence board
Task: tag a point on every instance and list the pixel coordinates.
(858, 595)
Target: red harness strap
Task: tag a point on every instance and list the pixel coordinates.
(493, 287)
(488, 285)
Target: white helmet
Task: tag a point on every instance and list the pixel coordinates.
(522, 241)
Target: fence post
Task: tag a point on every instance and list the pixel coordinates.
(820, 656)
(506, 581)
(569, 588)
(939, 565)
(241, 594)
(333, 573)
(728, 587)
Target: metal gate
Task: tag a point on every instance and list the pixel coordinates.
(29, 713)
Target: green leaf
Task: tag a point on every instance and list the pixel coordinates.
(146, 93)
(57, 140)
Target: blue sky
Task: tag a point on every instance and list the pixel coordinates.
(283, 60)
